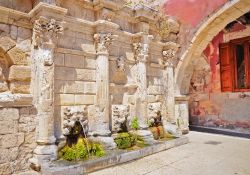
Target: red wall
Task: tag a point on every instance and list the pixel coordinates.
(191, 12)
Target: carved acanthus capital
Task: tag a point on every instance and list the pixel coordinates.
(169, 57)
(103, 41)
(141, 48)
(46, 31)
(138, 50)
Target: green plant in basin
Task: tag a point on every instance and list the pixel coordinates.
(124, 140)
(82, 150)
(135, 123)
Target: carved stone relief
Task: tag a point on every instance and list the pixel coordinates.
(45, 30)
(154, 113)
(169, 57)
(71, 116)
(120, 115)
(97, 123)
(137, 47)
(117, 71)
(103, 41)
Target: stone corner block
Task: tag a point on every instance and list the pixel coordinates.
(18, 56)
(6, 44)
(20, 73)
(20, 87)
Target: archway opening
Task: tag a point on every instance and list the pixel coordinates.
(199, 73)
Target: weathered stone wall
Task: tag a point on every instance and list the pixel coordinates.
(23, 6)
(15, 46)
(17, 138)
(86, 57)
(74, 82)
(17, 116)
(76, 54)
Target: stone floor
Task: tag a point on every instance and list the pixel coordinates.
(206, 154)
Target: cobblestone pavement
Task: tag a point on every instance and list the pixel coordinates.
(206, 154)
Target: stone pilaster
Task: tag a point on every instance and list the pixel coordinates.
(181, 112)
(102, 106)
(45, 33)
(141, 55)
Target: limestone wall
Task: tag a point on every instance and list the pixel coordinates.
(17, 115)
(23, 6)
(76, 54)
(74, 82)
(98, 58)
(17, 138)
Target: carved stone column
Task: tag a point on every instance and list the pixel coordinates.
(169, 62)
(45, 33)
(141, 55)
(101, 125)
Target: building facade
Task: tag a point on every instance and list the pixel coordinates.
(111, 59)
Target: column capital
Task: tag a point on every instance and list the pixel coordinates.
(141, 48)
(46, 31)
(138, 51)
(169, 57)
(103, 42)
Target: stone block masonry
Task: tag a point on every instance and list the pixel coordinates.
(17, 138)
(85, 56)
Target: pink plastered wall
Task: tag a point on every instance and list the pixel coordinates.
(190, 14)
(208, 105)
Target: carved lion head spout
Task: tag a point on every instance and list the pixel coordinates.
(154, 112)
(75, 123)
(120, 116)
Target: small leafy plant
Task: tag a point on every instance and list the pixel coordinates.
(135, 123)
(124, 140)
(82, 150)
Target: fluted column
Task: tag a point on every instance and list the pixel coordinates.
(169, 61)
(141, 55)
(102, 43)
(45, 33)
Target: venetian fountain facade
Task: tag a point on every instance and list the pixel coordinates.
(100, 61)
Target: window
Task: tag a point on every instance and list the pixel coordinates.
(235, 65)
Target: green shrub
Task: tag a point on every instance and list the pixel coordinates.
(135, 123)
(97, 150)
(83, 149)
(124, 140)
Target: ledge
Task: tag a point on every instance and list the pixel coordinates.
(182, 98)
(44, 7)
(214, 130)
(65, 168)
(15, 100)
(11, 16)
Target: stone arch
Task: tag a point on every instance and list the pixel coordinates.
(206, 32)
(15, 73)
